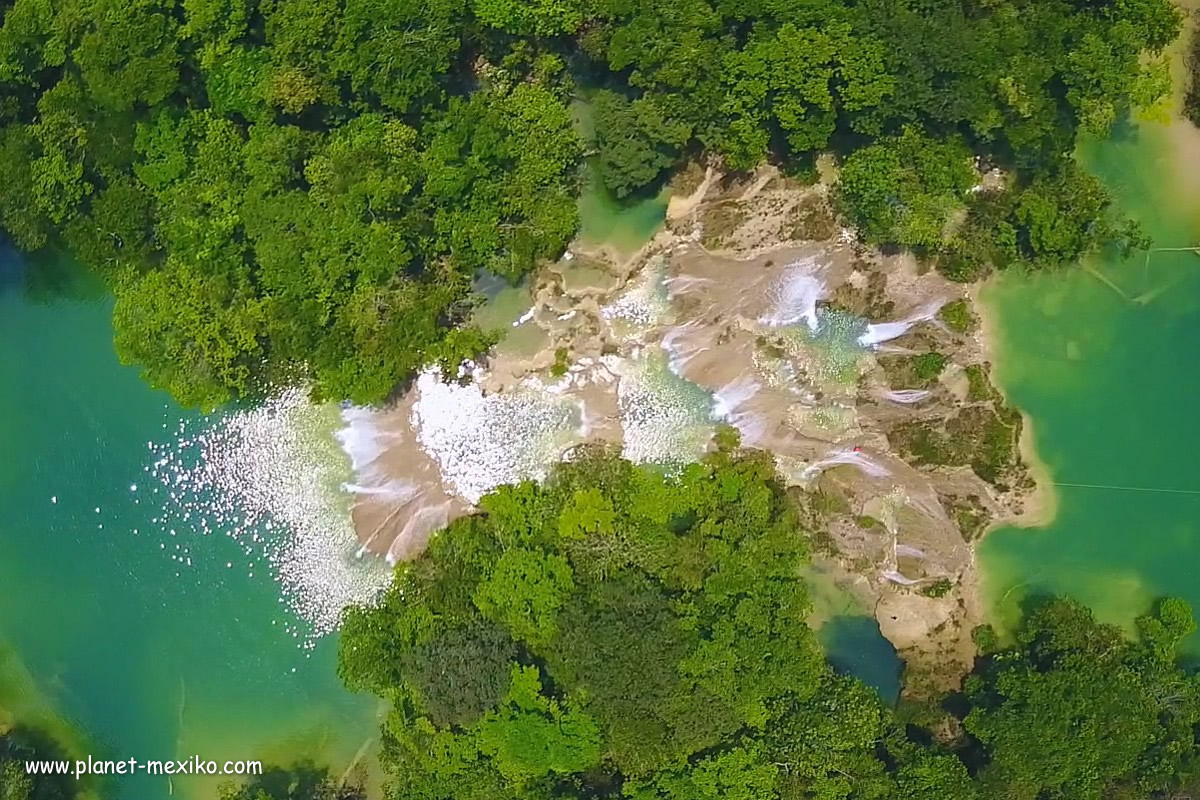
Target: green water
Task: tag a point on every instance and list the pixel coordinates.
(1111, 385)
(623, 224)
(851, 637)
(141, 657)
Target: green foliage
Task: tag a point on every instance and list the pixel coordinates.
(635, 141)
(957, 316)
(1057, 218)
(314, 185)
(904, 189)
(939, 588)
(658, 637)
(462, 671)
(561, 363)
(524, 592)
(1076, 710)
(979, 387)
(928, 366)
(913, 372)
(19, 744)
(303, 781)
(980, 436)
(1191, 98)
(652, 646)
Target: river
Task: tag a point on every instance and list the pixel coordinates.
(1105, 368)
(141, 632)
(147, 637)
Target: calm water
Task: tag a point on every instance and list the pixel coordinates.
(143, 657)
(624, 225)
(1110, 380)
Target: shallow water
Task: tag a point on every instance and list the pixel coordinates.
(623, 224)
(1108, 377)
(147, 656)
(851, 637)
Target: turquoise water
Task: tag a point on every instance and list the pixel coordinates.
(1108, 375)
(144, 657)
(855, 646)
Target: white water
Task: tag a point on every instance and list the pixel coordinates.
(269, 478)
(729, 405)
(482, 441)
(360, 439)
(680, 352)
(896, 577)
(926, 502)
(645, 302)
(683, 283)
(396, 489)
(851, 457)
(877, 333)
(795, 295)
(906, 396)
(665, 419)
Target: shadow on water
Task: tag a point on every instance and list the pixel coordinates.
(20, 744)
(855, 646)
(12, 270)
(624, 224)
(47, 277)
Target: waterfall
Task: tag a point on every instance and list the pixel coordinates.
(794, 296)
(878, 333)
(682, 284)
(851, 457)
(361, 439)
(680, 353)
(393, 489)
(896, 577)
(482, 441)
(268, 478)
(728, 402)
(665, 419)
(906, 396)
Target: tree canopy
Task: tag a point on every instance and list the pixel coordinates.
(20, 744)
(282, 190)
(617, 633)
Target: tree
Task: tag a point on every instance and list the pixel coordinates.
(15, 782)
(525, 591)
(671, 667)
(1077, 710)
(635, 141)
(685, 670)
(905, 189)
(334, 173)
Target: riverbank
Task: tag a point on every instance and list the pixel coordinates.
(1093, 356)
(1040, 505)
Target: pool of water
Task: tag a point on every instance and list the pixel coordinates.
(1103, 360)
(141, 654)
(622, 224)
